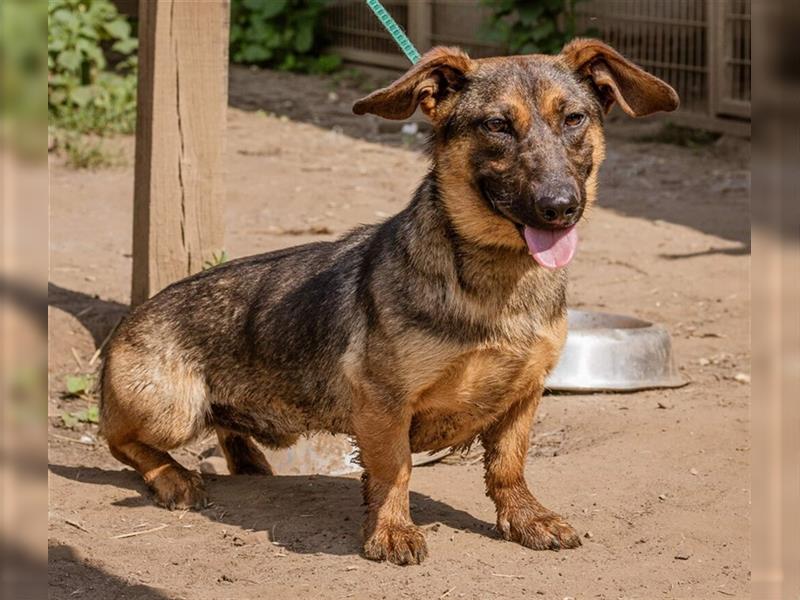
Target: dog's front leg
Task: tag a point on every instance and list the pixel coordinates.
(520, 516)
(389, 533)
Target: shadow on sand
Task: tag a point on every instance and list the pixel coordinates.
(305, 514)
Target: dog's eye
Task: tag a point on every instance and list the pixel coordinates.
(574, 119)
(496, 125)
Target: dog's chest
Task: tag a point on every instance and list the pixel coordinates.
(457, 391)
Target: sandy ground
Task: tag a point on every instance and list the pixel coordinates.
(657, 481)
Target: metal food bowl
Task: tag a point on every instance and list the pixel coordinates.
(614, 353)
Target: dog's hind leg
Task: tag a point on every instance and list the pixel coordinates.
(148, 407)
(242, 454)
(173, 485)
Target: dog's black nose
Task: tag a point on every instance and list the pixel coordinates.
(559, 209)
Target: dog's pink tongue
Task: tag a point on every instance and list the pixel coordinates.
(552, 249)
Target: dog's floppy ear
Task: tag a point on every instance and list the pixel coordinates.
(617, 79)
(438, 74)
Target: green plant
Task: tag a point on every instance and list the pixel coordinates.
(285, 34)
(216, 260)
(531, 26)
(83, 152)
(91, 414)
(79, 385)
(85, 92)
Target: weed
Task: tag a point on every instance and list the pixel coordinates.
(216, 260)
(83, 152)
(90, 414)
(80, 385)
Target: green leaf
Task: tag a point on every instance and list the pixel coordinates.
(125, 46)
(91, 51)
(272, 8)
(118, 28)
(90, 414)
(81, 96)
(529, 14)
(289, 62)
(57, 44)
(304, 39)
(69, 59)
(543, 30)
(66, 18)
(255, 4)
(70, 420)
(88, 31)
(327, 63)
(78, 384)
(254, 54)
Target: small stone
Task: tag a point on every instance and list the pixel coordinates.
(87, 439)
(409, 128)
(663, 406)
(214, 465)
(237, 541)
(703, 362)
(588, 535)
(742, 377)
(662, 497)
(693, 471)
(683, 556)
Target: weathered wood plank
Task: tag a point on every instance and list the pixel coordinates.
(178, 190)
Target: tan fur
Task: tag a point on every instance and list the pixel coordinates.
(521, 112)
(174, 385)
(551, 101)
(469, 391)
(595, 134)
(473, 219)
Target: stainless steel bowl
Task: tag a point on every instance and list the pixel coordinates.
(614, 353)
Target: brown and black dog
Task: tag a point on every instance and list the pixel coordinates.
(430, 330)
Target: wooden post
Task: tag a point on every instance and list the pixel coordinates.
(182, 100)
(420, 21)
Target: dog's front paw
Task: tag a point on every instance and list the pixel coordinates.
(539, 531)
(399, 544)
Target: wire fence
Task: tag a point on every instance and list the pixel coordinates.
(701, 47)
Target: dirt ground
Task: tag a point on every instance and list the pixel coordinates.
(658, 481)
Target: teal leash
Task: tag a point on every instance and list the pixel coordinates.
(397, 33)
